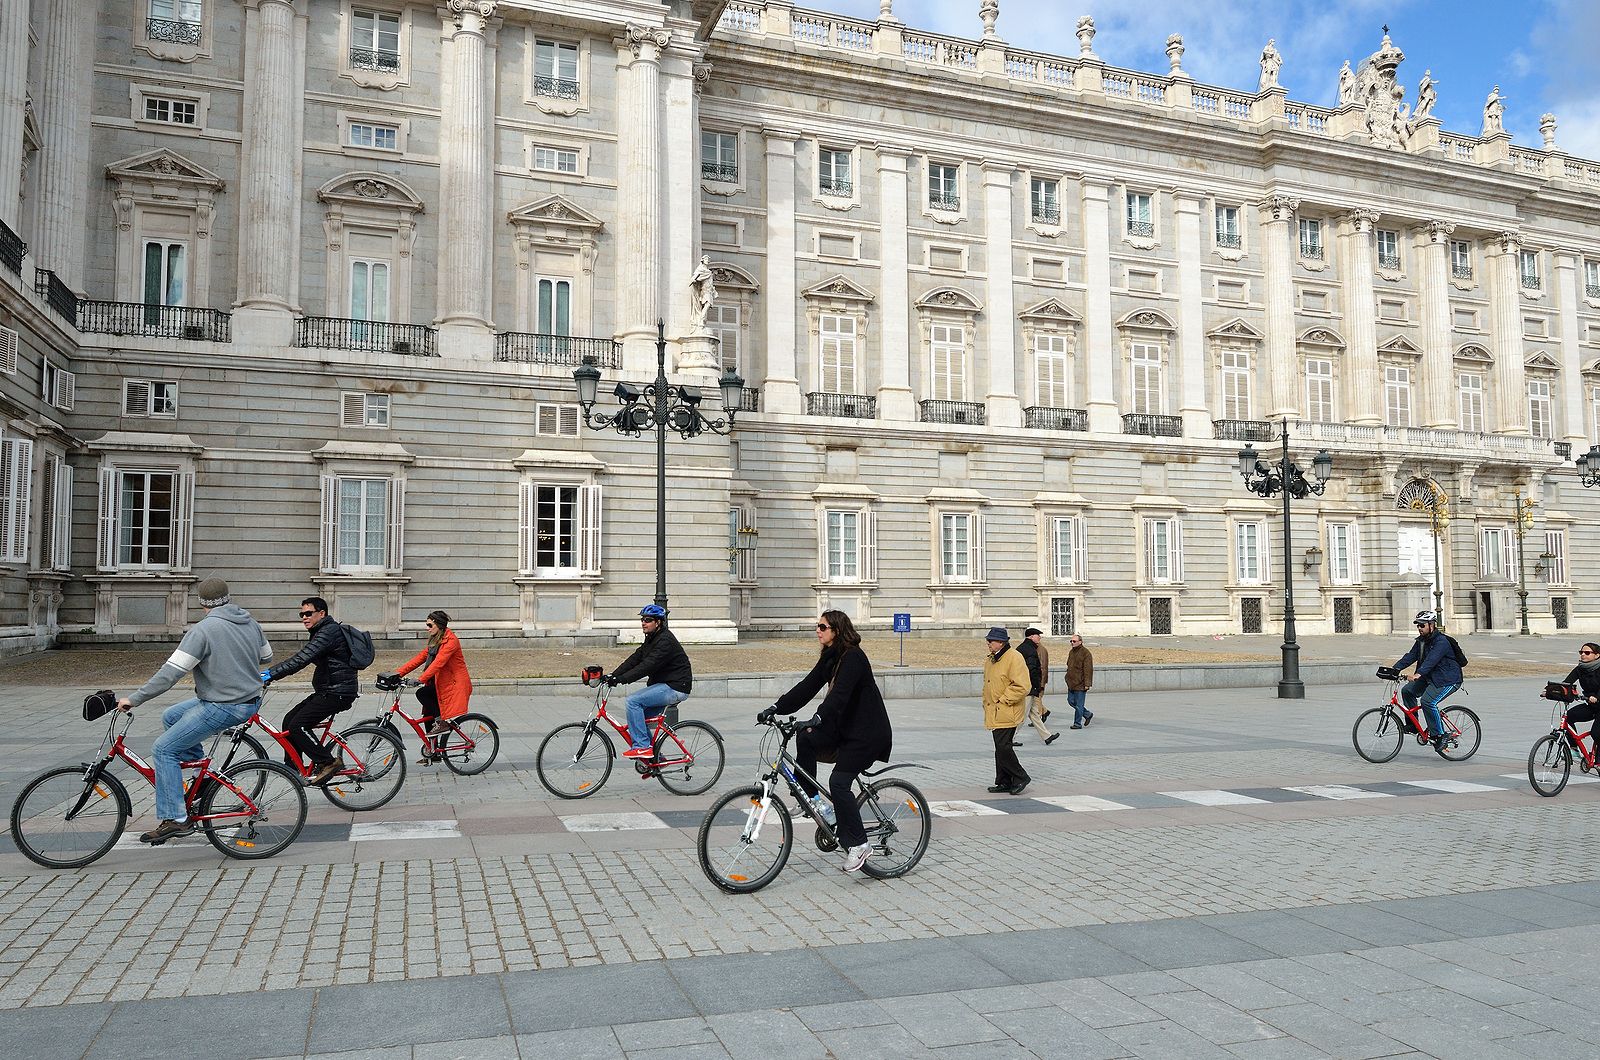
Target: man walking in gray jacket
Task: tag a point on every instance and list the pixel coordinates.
(225, 651)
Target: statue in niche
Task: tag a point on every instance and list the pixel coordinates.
(1347, 84)
(1271, 63)
(702, 295)
(1494, 110)
(1427, 96)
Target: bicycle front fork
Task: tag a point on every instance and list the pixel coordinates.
(757, 815)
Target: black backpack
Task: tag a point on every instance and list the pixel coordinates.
(358, 642)
(1455, 646)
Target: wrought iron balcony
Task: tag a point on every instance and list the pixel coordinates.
(158, 321)
(1591, 290)
(936, 411)
(48, 285)
(171, 32)
(382, 60)
(1461, 270)
(1230, 240)
(1244, 430)
(844, 406)
(722, 172)
(839, 188)
(528, 348)
(12, 248)
(1531, 281)
(750, 399)
(1152, 425)
(1310, 251)
(555, 88)
(1387, 260)
(374, 336)
(1046, 418)
(1564, 450)
(1046, 213)
(1141, 228)
(938, 200)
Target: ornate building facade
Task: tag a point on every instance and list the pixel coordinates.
(292, 291)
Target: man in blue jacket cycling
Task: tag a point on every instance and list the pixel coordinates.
(1438, 673)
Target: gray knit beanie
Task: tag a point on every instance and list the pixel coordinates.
(213, 592)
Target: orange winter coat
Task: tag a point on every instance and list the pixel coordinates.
(448, 673)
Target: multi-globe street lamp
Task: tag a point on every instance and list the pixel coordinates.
(1269, 480)
(1523, 514)
(663, 406)
(1589, 466)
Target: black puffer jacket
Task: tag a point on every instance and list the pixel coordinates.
(328, 649)
(660, 658)
(852, 715)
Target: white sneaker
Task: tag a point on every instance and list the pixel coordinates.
(856, 857)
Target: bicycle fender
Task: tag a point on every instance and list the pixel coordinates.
(893, 766)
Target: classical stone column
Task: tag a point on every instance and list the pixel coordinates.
(1510, 398)
(269, 241)
(780, 392)
(1364, 383)
(466, 183)
(1191, 347)
(894, 386)
(1099, 344)
(1438, 359)
(680, 235)
(1004, 409)
(1277, 255)
(639, 195)
(13, 95)
(1569, 294)
(60, 219)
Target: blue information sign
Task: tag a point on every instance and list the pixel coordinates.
(902, 622)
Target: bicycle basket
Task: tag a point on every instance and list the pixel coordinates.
(1388, 673)
(99, 704)
(1562, 693)
(388, 682)
(592, 674)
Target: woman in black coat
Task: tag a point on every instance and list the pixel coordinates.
(1586, 675)
(851, 728)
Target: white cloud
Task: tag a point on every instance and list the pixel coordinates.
(1563, 43)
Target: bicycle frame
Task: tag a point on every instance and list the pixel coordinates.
(1586, 753)
(354, 765)
(119, 751)
(430, 740)
(657, 725)
(1417, 715)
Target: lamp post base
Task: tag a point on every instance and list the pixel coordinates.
(1289, 685)
(1291, 689)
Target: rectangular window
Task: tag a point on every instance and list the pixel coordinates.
(1044, 200)
(1228, 227)
(555, 527)
(1311, 238)
(554, 160)
(1319, 390)
(186, 11)
(8, 351)
(362, 527)
(1541, 411)
(369, 290)
(1163, 551)
(1388, 249)
(145, 518)
(1461, 259)
(944, 189)
(555, 307)
(552, 420)
(719, 156)
(360, 409)
(723, 320)
(1344, 554)
(1469, 386)
(1494, 553)
(1068, 549)
(833, 173)
(1145, 389)
(1051, 386)
(844, 546)
(374, 136)
(1250, 553)
(741, 547)
(948, 348)
(1396, 395)
(169, 110)
(60, 387)
(836, 354)
(1528, 266)
(166, 273)
(1555, 557)
(374, 40)
(960, 547)
(1235, 384)
(16, 493)
(1591, 279)
(143, 397)
(555, 69)
(55, 516)
(1141, 215)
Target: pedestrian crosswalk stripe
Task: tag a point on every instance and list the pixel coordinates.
(962, 808)
(1575, 778)
(1082, 803)
(1339, 792)
(612, 822)
(1458, 786)
(1215, 797)
(368, 831)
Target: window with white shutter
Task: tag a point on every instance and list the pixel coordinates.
(16, 494)
(59, 386)
(1250, 564)
(559, 529)
(1235, 384)
(1344, 554)
(1051, 388)
(1494, 552)
(1145, 384)
(1555, 557)
(145, 518)
(1163, 551)
(948, 348)
(362, 524)
(359, 409)
(144, 397)
(55, 515)
(961, 548)
(1397, 395)
(1069, 549)
(1541, 410)
(1319, 390)
(9, 346)
(741, 550)
(836, 354)
(551, 420)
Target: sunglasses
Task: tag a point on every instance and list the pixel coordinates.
(307, 614)
(823, 625)
(1585, 651)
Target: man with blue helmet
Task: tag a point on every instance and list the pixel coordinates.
(664, 664)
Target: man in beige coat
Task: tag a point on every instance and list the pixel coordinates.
(1005, 688)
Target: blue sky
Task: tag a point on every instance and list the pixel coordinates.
(1542, 53)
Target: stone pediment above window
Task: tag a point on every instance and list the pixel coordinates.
(556, 212)
(1473, 353)
(1400, 346)
(371, 190)
(1051, 312)
(826, 491)
(339, 455)
(166, 167)
(837, 289)
(733, 278)
(1148, 320)
(1238, 329)
(142, 442)
(950, 300)
(1324, 337)
(1542, 362)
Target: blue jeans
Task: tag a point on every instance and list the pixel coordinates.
(186, 725)
(1432, 695)
(648, 702)
(1075, 700)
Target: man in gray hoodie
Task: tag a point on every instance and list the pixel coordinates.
(225, 651)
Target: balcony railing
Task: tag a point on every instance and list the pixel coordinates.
(937, 411)
(844, 406)
(1564, 450)
(1142, 228)
(12, 248)
(375, 336)
(1045, 418)
(555, 88)
(165, 29)
(1591, 290)
(1046, 213)
(750, 399)
(158, 321)
(1310, 251)
(1423, 439)
(722, 172)
(48, 285)
(1387, 260)
(527, 348)
(938, 200)
(1243, 430)
(378, 59)
(1531, 282)
(837, 188)
(1229, 240)
(1152, 425)
(1461, 270)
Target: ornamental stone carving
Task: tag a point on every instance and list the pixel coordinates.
(642, 39)
(1547, 129)
(989, 12)
(460, 9)
(1362, 218)
(1494, 109)
(370, 189)
(1279, 207)
(1175, 55)
(1378, 92)
(1271, 63)
(1438, 231)
(1085, 33)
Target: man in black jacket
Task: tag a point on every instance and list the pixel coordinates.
(334, 685)
(662, 660)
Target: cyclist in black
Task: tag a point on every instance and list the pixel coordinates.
(334, 685)
(1438, 673)
(1586, 675)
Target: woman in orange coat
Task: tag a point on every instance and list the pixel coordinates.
(443, 686)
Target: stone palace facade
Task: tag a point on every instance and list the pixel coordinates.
(292, 291)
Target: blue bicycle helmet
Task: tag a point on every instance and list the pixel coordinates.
(652, 611)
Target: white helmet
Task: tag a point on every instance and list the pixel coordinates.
(1429, 617)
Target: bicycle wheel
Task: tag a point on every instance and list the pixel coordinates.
(575, 760)
(471, 758)
(62, 821)
(904, 826)
(253, 811)
(694, 766)
(729, 856)
(1463, 735)
(249, 749)
(374, 768)
(1550, 764)
(1378, 734)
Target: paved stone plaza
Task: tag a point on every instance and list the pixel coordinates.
(1196, 874)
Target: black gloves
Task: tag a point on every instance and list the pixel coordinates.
(610, 680)
(766, 716)
(810, 723)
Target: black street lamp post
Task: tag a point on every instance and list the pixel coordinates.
(660, 405)
(1589, 466)
(1269, 480)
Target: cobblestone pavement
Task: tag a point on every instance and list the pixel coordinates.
(1307, 923)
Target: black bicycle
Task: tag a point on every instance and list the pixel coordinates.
(748, 833)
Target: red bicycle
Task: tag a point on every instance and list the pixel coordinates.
(1379, 732)
(66, 817)
(575, 760)
(466, 744)
(1550, 761)
(373, 756)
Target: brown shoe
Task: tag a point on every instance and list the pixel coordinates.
(167, 830)
(326, 773)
